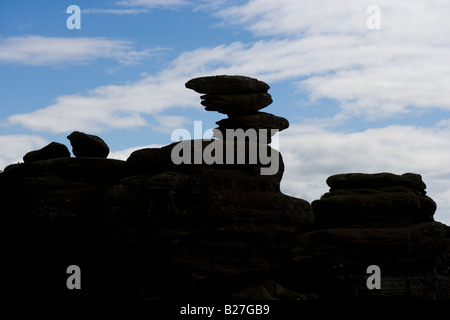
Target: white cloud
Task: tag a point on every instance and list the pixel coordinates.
(312, 153)
(110, 107)
(14, 147)
(124, 154)
(114, 11)
(372, 73)
(49, 51)
(167, 124)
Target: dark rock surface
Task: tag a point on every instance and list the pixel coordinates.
(382, 198)
(373, 219)
(225, 84)
(207, 230)
(51, 151)
(240, 98)
(236, 103)
(258, 120)
(88, 145)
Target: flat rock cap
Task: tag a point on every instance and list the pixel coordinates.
(225, 84)
(375, 180)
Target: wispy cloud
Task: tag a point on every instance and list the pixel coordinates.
(110, 107)
(114, 11)
(49, 51)
(312, 153)
(13, 147)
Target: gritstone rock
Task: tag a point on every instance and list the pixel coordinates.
(50, 151)
(240, 98)
(258, 120)
(368, 199)
(236, 103)
(225, 84)
(87, 145)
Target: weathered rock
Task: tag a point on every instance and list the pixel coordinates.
(258, 120)
(374, 199)
(225, 84)
(184, 155)
(50, 151)
(87, 145)
(236, 103)
(208, 227)
(414, 262)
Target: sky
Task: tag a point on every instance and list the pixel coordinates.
(364, 84)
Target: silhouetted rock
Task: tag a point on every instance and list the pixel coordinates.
(414, 261)
(236, 103)
(371, 199)
(225, 84)
(381, 219)
(240, 98)
(259, 120)
(87, 145)
(411, 181)
(50, 151)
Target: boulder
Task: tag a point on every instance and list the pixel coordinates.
(87, 145)
(50, 151)
(258, 120)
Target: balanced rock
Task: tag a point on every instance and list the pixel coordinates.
(87, 145)
(225, 84)
(259, 120)
(51, 151)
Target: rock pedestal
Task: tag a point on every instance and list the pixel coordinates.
(240, 98)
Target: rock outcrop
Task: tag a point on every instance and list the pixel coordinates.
(205, 219)
(381, 219)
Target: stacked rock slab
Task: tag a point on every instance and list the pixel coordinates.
(240, 98)
(380, 219)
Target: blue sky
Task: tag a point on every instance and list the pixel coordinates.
(358, 99)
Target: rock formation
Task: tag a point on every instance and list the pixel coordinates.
(240, 98)
(153, 227)
(373, 219)
(51, 151)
